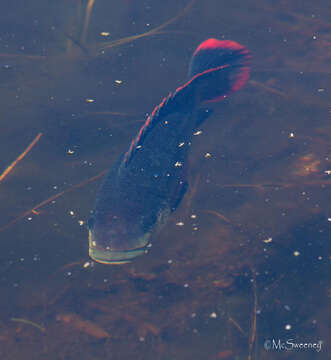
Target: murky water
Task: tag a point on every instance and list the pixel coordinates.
(243, 265)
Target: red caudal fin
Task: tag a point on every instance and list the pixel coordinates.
(217, 69)
(223, 66)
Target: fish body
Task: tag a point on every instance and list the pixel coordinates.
(149, 180)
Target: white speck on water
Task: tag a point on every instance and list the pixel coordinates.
(199, 132)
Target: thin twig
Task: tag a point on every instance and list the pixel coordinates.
(252, 334)
(29, 322)
(20, 157)
(87, 20)
(153, 31)
(33, 210)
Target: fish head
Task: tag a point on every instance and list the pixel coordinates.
(116, 239)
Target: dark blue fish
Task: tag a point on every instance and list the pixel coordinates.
(149, 180)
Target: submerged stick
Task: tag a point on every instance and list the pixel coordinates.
(87, 20)
(153, 31)
(47, 201)
(29, 322)
(86, 326)
(279, 185)
(220, 216)
(20, 157)
(252, 335)
(237, 325)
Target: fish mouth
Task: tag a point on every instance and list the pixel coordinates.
(113, 257)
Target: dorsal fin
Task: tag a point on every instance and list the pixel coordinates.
(163, 108)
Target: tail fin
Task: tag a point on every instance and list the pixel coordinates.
(217, 69)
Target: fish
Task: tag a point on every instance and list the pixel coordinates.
(149, 180)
